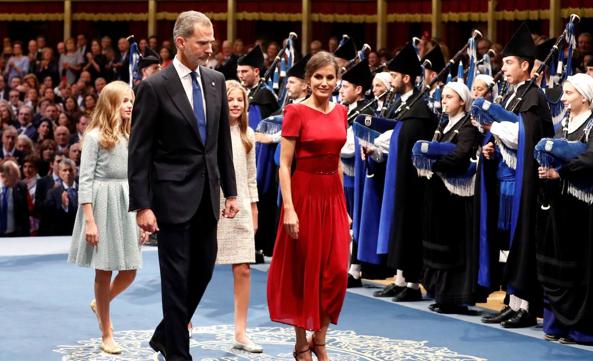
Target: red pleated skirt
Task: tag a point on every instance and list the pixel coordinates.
(308, 276)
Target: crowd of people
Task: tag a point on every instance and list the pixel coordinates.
(441, 213)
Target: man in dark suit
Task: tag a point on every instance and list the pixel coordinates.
(8, 149)
(180, 155)
(62, 201)
(14, 209)
(44, 185)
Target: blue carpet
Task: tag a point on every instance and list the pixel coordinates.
(44, 315)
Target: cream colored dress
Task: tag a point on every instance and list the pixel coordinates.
(236, 242)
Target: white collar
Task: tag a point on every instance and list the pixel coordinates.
(352, 105)
(407, 95)
(183, 70)
(453, 121)
(6, 151)
(68, 187)
(578, 120)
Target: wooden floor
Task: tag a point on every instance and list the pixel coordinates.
(494, 302)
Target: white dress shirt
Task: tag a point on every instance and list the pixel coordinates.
(453, 121)
(185, 77)
(577, 121)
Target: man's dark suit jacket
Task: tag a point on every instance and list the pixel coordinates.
(62, 222)
(21, 210)
(169, 166)
(44, 184)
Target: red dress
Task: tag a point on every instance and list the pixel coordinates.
(309, 275)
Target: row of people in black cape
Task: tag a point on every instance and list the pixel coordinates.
(463, 235)
(424, 230)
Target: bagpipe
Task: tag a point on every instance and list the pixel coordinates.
(360, 56)
(133, 61)
(567, 37)
(556, 152)
(371, 103)
(272, 69)
(425, 153)
(405, 107)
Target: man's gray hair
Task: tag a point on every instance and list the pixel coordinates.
(67, 162)
(184, 25)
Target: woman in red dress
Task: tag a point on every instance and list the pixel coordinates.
(308, 275)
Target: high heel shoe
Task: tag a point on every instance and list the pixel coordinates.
(296, 353)
(313, 346)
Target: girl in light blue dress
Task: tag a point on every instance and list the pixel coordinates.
(105, 235)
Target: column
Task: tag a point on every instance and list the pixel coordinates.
(555, 19)
(437, 18)
(491, 20)
(67, 19)
(151, 17)
(381, 24)
(305, 35)
(231, 25)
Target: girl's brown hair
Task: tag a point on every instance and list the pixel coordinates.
(232, 85)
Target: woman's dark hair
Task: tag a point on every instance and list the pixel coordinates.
(318, 61)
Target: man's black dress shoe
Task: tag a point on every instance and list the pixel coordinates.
(389, 291)
(434, 307)
(408, 295)
(521, 319)
(505, 314)
(454, 309)
(157, 346)
(354, 282)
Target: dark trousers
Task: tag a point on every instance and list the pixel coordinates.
(187, 254)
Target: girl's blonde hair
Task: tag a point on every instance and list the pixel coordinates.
(243, 121)
(106, 116)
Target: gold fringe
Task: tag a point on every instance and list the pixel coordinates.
(508, 15)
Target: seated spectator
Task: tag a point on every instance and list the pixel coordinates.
(71, 107)
(48, 67)
(166, 58)
(100, 84)
(3, 89)
(90, 100)
(6, 115)
(25, 120)
(44, 184)
(30, 177)
(64, 119)
(45, 130)
(62, 137)
(74, 154)
(24, 145)
(81, 125)
(62, 201)
(45, 151)
(9, 150)
(14, 211)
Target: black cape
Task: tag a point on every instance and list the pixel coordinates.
(405, 248)
(450, 253)
(565, 242)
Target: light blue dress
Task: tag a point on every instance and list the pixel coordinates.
(103, 181)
